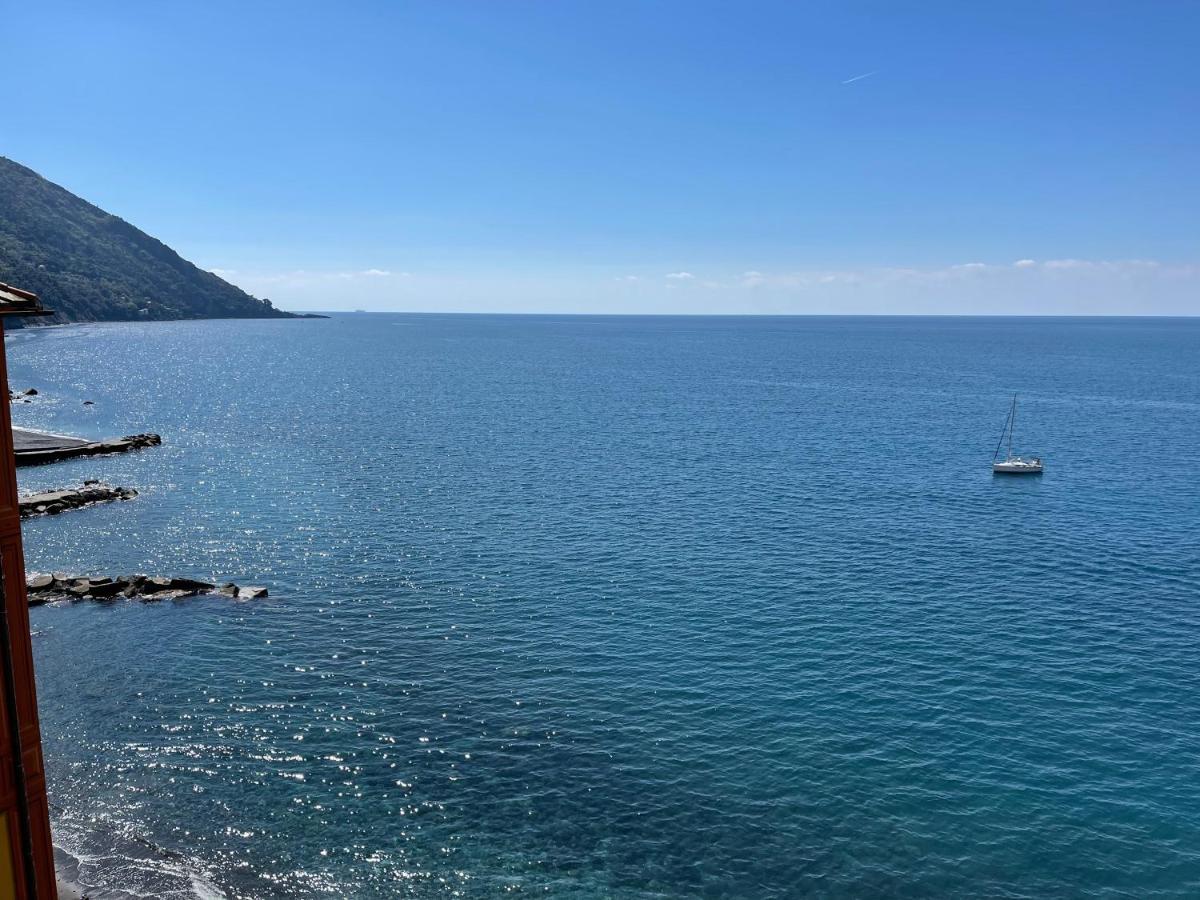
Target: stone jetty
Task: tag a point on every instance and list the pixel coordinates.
(51, 503)
(32, 448)
(148, 588)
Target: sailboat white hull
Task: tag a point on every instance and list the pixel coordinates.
(1017, 466)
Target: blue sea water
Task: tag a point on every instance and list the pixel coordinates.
(589, 607)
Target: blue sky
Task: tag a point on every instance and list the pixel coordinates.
(635, 157)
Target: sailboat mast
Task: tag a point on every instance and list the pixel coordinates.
(1012, 422)
(1003, 432)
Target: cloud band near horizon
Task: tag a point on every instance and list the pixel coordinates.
(1027, 286)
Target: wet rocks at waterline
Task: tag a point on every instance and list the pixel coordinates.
(61, 586)
(50, 503)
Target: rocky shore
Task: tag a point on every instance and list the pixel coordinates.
(37, 447)
(148, 588)
(51, 503)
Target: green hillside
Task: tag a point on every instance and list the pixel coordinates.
(90, 266)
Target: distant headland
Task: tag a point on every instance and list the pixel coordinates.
(90, 266)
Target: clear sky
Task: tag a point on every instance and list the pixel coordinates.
(634, 157)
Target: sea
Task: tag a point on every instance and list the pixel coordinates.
(626, 607)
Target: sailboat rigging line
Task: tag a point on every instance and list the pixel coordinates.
(1012, 424)
(1003, 432)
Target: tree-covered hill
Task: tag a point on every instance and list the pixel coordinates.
(88, 265)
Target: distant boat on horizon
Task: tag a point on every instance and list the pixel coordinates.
(1013, 465)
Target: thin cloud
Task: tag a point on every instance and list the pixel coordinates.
(1041, 287)
(977, 272)
(860, 77)
(681, 276)
(301, 277)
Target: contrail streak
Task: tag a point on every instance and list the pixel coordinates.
(859, 77)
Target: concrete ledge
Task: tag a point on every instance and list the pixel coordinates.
(34, 448)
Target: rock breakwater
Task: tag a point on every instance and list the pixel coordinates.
(51, 503)
(148, 588)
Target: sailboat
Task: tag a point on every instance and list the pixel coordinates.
(1013, 465)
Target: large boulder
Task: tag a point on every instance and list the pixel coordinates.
(40, 583)
(189, 584)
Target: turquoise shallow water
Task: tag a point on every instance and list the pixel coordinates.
(616, 607)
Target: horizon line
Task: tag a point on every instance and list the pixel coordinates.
(738, 315)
